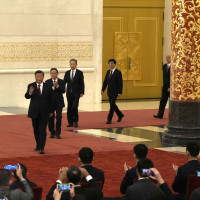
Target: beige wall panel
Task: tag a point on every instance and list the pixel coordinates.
(38, 25)
(46, 6)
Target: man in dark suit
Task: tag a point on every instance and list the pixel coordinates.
(58, 88)
(143, 187)
(165, 88)
(75, 89)
(191, 167)
(85, 159)
(140, 151)
(40, 108)
(73, 175)
(113, 80)
(17, 183)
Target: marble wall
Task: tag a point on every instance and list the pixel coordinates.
(39, 34)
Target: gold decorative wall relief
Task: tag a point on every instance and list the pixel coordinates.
(45, 51)
(128, 54)
(185, 72)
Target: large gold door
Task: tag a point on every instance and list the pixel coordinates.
(133, 36)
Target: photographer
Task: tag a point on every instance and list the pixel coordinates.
(73, 175)
(16, 194)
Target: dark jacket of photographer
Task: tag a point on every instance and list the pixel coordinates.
(17, 194)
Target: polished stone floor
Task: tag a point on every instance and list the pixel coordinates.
(149, 135)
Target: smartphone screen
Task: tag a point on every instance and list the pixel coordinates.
(198, 174)
(11, 167)
(147, 172)
(64, 187)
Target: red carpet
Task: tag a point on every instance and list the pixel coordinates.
(17, 144)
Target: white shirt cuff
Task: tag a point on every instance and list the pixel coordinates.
(58, 181)
(88, 178)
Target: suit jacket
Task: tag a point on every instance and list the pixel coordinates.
(77, 85)
(140, 190)
(40, 105)
(18, 184)
(180, 182)
(97, 174)
(166, 77)
(57, 94)
(91, 193)
(115, 84)
(129, 178)
(165, 188)
(17, 194)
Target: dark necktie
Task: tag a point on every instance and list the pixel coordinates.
(72, 75)
(168, 66)
(111, 73)
(39, 90)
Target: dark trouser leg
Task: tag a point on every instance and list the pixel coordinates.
(42, 133)
(58, 120)
(69, 108)
(51, 124)
(75, 108)
(163, 102)
(112, 100)
(35, 124)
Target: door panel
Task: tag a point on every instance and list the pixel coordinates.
(133, 36)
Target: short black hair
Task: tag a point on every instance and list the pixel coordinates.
(140, 150)
(39, 72)
(193, 148)
(74, 175)
(54, 69)
(24, 171)
(5, 177)
(73, 59)
(144, 163)
(112, 60)
(86, 155)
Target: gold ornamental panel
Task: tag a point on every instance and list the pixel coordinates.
(128, 54)
(45, 51)
(185, 72)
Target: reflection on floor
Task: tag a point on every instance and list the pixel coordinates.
(149, 135)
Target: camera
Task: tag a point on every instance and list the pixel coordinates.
(64, 187)
(11, 167)
(147, 172)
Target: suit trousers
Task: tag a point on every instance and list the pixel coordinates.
(163, 102)
(72, 108)
(58, 117)
(39, 128)
(113, 107)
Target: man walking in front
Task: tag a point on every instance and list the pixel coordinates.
(40, 108)
(75, 89)
(113, 80)
(58, 88)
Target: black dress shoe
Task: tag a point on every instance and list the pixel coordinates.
(120, 118)
(157, 116)
(41, 151)
(70, 125)
(58, 137)
(108, 122)
(36, 149)
(76, 125)
(52, 136)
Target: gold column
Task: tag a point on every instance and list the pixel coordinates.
(184, 107)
